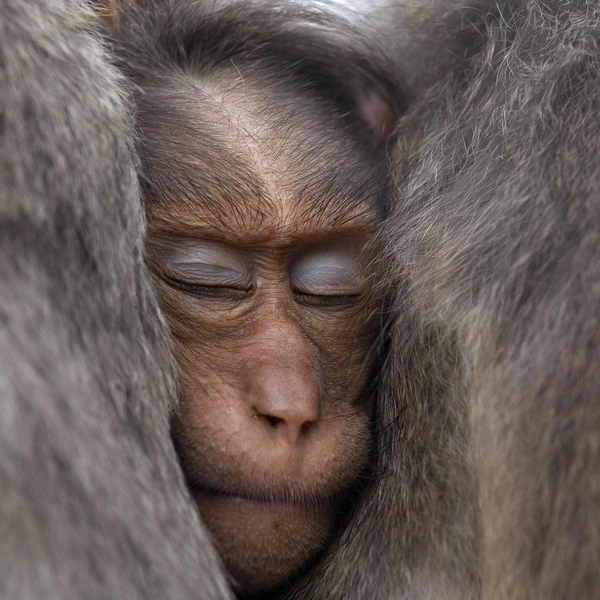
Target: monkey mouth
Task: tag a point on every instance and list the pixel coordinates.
(280, 499)
(284, 531)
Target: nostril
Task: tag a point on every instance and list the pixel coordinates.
(273, 420)
(306, 427)
(290, 426)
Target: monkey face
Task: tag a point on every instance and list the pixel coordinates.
(273, 351)
(266, 287)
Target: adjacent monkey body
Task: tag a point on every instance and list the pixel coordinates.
(515, 282)
(493, 447)
(89, 481)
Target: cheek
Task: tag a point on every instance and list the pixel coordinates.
(348, 354)
(203, 329)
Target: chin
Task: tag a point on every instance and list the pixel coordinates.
(265, 543)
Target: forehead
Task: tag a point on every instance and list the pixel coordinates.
(252, 160)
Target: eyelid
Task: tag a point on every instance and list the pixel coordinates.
(328, 272)
(201, 261)
(206, 274)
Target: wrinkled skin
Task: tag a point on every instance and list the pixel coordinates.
(274, 333)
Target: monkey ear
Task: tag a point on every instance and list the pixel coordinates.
(378, 115)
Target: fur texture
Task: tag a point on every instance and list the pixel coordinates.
(490, 482)
(489, 462)
(92, 501)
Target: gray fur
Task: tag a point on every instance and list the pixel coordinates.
(92, 502)
(491, 412)
(489, 482)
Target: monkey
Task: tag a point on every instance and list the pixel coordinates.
(485, 425)
(489, 416)
(263, 176)
(92, 500)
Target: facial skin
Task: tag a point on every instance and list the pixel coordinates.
(274, 330)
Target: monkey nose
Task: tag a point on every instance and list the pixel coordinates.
(286, 399)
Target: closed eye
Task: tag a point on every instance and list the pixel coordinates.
(208, 275)
(200, 290)
(332, 275)
(202, 268)
(327, 280)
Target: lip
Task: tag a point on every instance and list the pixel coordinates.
(290, 500)
(263, 541)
